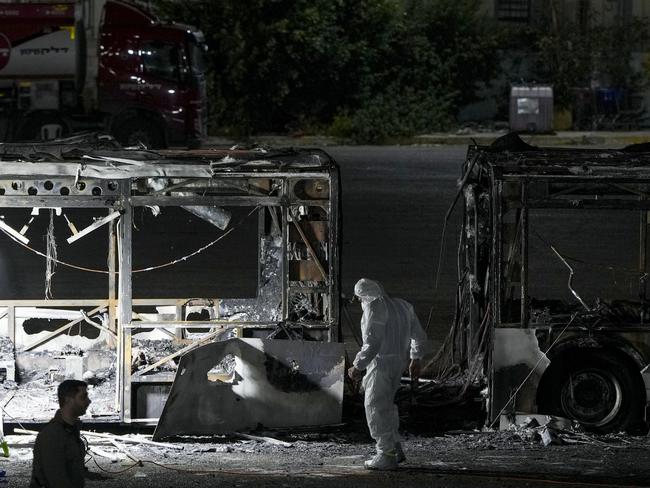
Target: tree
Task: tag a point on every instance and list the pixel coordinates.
(574, 54)
(375, 67)
(437, 53)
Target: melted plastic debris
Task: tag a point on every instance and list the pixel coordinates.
(305, 306)
(224, 370)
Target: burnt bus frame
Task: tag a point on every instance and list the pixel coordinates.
(516, 182)
(126, 170)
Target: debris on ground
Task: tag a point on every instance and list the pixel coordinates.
(146, 352)
(37, 395)
(269, 440)
(341, 452)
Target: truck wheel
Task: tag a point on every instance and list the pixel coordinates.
(42, 128)
(140, 130)
(598, 389)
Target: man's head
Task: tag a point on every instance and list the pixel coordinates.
(73, 397)
(368, 290)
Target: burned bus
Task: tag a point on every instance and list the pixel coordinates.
(553, 276)
(122, 266)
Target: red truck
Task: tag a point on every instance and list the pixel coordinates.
(102, 65)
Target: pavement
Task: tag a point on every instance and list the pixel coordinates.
(461, 137)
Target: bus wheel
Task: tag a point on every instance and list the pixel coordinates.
(598, 389)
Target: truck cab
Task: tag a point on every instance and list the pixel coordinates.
(151, 78)
(103, 66)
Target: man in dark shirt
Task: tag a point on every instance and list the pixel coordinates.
(59, 451)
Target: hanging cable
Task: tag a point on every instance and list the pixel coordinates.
(50, 259)
(142, 270)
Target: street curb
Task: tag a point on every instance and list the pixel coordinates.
(603, 139)
(542, 140)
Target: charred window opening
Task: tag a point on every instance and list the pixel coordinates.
(306, 307)
(224, 371)
(24, 272)
(312, 189)
(149, 352)
(36, 326)
(578, 257)
(309, 258)
(226, 269)
(203, 314)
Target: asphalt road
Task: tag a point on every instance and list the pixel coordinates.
(394, 204)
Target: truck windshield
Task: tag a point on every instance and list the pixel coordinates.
(160, 60)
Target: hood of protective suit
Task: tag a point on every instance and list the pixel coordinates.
(368, 290)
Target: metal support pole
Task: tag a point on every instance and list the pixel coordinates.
(112, 283)
(334, 269)
(284, 218)
(474, 333)
(261, 234)
(497, 250)
(125, 302)
(11, 322)
(180, 332)
(524, 255)
(496, 285)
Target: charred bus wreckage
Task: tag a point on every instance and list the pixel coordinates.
(211, 274)
(549, 308)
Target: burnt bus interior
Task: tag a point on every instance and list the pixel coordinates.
(553, 272)
(117, 262)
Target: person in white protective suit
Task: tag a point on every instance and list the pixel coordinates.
(390, 331)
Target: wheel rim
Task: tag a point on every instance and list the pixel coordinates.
(592, 396)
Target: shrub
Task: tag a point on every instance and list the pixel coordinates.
(373, 68)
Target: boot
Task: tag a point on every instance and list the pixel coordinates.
(382, 462)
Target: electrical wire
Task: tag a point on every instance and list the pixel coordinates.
(473, 370)
(141, 270)
(142, 462)
(111, 471)
(450, 211)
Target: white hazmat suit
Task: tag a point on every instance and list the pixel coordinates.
(391, 332)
